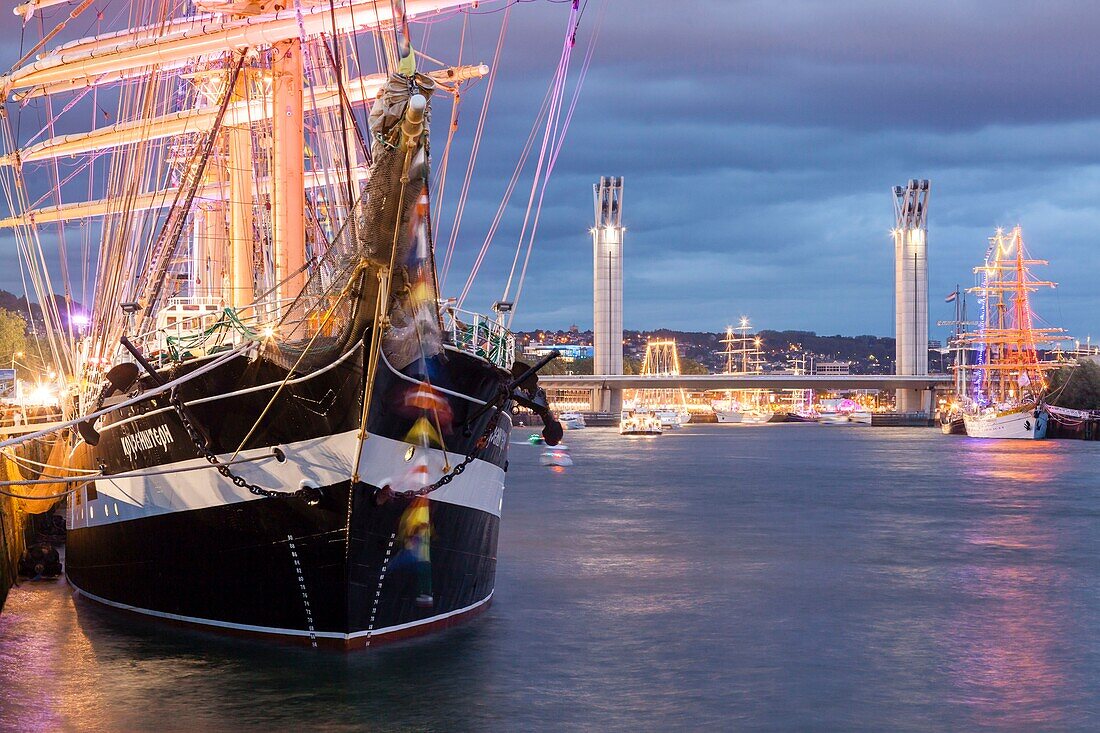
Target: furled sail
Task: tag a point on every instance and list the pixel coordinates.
(204, 36)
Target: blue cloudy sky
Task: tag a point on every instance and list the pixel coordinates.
(760, 141)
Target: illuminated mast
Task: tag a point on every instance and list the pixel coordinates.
(1008, 370)
(741, 349)
(662, 359)
(911, 289)
(607, 300)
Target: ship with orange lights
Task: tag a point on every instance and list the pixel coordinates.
(1007, 380)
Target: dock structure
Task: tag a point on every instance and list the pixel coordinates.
(11, 544)
(14, 512)
(607, 281)
(910, 235)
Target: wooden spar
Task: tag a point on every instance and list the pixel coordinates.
(211, 266)
(26, 10)
(240, 216)
(132, 52)
(209, 269)
(288, 201)
(160, 199)
(200, 119)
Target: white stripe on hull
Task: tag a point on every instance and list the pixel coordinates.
(1017, 425)
(319, 461)
(285, 632)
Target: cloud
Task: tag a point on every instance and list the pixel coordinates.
(760, 142)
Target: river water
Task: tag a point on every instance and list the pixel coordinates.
(773, 577)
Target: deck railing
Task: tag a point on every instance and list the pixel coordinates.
(480, 335)
(210, 331)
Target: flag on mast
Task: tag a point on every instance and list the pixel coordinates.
(951, 298)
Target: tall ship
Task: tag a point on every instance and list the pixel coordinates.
(275, 425)
(951, 418)
(799, 403)
(670, 405)
(743, 356)
(1006, 381)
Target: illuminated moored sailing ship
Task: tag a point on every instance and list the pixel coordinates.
(743, 356)
(1007, 380)
(670, 405)
(275, 427)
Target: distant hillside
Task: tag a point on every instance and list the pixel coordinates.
(18, 304)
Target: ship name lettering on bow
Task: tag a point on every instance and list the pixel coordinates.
(144, 440)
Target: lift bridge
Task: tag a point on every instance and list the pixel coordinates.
(602, 392)
(572, 387)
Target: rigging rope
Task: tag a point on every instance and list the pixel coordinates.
(452, 128)
(171, 234)
(138, 473)
(503, 205)
(550, 167)
(290, 372)
(475, 147)
(554, 130)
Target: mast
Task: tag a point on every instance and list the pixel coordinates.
(241, 225)
(209, 266)
(288, 200)
(957, 344)
(741, 348)
(194, 186)
(742, 354)
(1008, 370)
(729, 353)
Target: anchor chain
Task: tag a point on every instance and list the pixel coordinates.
(204, 448)
(455, 472)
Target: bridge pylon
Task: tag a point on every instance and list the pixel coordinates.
(910, 235)
(607, 291)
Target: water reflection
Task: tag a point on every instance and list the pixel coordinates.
(89, 668)
(793, 579)
(1014, 461)
(1005, 645)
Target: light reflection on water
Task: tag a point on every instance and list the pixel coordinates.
(777, 577)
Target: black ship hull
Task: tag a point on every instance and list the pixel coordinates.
(352, 569)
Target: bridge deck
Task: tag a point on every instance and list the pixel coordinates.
(704, 382)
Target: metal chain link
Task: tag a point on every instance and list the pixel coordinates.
(447, 478)
(204, 448)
